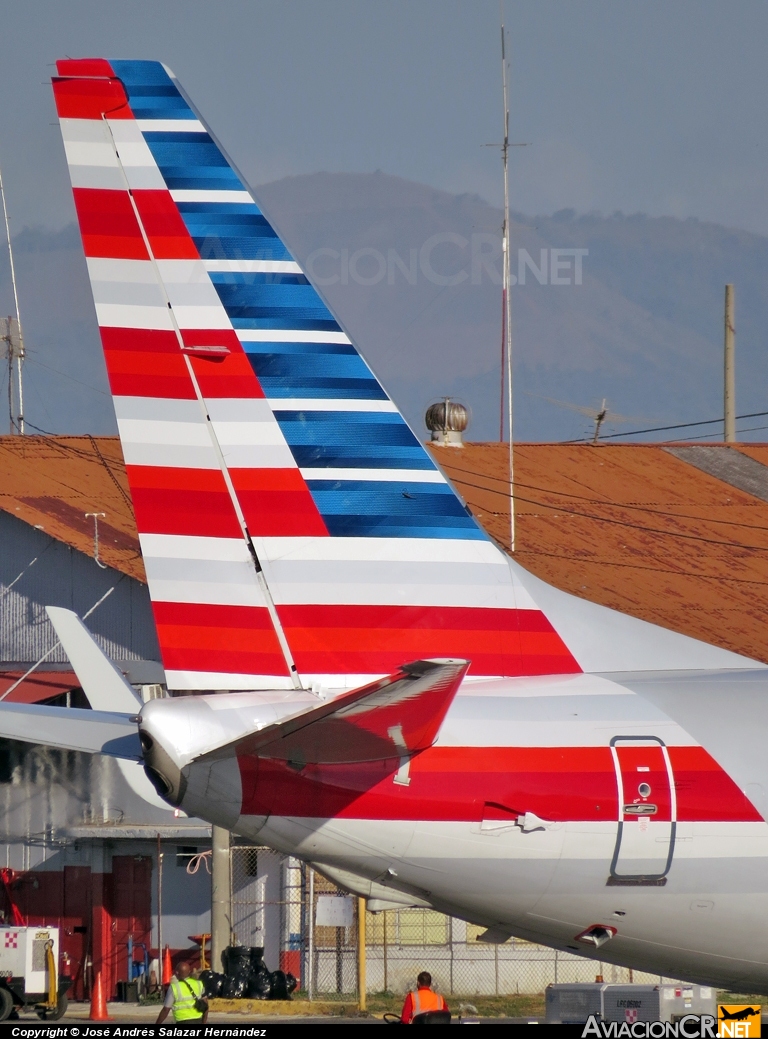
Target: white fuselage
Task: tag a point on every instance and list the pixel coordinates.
(546, 807)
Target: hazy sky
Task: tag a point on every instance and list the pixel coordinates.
(656, 107)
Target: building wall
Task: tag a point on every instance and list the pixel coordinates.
(62, 576)
(98, 892)
(81, 848)
(186, 897)
(67, 819)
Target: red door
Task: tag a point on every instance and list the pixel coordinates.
(645, 838)
(75, 926)
(131, 908)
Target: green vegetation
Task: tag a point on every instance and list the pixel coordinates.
(152, 998)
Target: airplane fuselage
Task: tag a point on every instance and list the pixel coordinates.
(548, 808)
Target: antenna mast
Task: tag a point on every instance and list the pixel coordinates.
(13, 336)
(506, 323)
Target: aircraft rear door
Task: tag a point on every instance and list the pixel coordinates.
(645, 838)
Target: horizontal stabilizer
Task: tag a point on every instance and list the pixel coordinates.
(394, 717)
(104, 686)
(71, 728)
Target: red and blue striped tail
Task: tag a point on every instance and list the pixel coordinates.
(293, 528)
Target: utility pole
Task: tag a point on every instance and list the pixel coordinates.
(362, 984)
(729, 381)
(310, 983)
(221, 895)
(160, 912)
(506, 296)
(13, 337)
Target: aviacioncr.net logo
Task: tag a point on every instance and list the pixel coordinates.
(687, 1027)
(738, 1020)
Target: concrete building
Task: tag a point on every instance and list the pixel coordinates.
(78, 845)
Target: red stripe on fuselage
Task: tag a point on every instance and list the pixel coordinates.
(376, 639)
(454, 784)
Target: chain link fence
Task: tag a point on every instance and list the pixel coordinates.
(271, 899)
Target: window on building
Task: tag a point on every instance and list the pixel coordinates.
(408, 927)
(184, 854)
(422, 927)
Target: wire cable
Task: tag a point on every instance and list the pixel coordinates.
(664, 429)
(597, 501)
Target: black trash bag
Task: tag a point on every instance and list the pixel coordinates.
(279, 985)
(212, 983)
(290, 983)
(237, 960)
(233, 987)
(260, 983)
(256, 956)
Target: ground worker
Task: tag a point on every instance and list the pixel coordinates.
(186, 997)
(422, 1000)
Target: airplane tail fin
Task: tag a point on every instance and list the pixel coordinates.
(290, 521)
(293, 528)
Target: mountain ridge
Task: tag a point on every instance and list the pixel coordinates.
(643, 329)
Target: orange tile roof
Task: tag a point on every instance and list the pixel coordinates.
(52, 482)
(627, 526)
(631, 527)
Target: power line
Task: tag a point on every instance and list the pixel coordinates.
(65, 375)
(625, 523)
(664, 429)
(648, 530)
(602, 502)
(594, 561)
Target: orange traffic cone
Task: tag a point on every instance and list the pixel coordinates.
(167, 966)
(98, 1001)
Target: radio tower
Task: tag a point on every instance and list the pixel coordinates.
(10, 328)
(506, 321)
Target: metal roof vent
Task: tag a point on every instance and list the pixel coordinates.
(446, 420)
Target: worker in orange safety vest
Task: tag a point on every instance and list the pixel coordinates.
(422, 1000)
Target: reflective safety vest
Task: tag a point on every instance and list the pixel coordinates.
(424, 1000)
(184, 995)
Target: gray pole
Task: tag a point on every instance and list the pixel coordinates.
(15, 349)
(730, 367)
(221, 896)
(507, 295)
(160, 912)
(310, 985)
